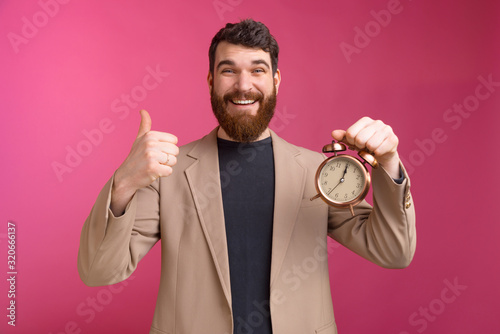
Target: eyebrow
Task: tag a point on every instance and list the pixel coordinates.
(260, 62)
(232, 63)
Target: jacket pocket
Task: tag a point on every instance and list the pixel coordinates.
(157, 331)
(330, 328)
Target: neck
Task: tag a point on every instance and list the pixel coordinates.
(223, 135)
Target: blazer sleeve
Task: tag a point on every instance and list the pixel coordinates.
(384, 234)
(111, 247)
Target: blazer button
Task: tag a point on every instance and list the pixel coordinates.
(408, 204)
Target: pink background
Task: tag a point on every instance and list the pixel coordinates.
(65, 76)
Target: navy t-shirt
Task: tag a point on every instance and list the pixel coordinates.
(247, 183)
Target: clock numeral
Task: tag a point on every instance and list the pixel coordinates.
(358, 185)
(336, 195)
(353, 192)
(345, 196)
(338, 165)
(325, 174)
(358, 176)
(332, 168)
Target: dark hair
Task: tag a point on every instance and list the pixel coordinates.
(248, 33)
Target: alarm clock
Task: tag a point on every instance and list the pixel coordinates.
(342, 180)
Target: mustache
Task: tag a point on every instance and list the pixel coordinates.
(243, 96)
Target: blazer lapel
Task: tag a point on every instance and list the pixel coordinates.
(204, 181)
(289, 187)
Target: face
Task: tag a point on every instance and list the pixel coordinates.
(243, 91)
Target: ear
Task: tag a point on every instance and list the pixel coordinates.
(277, 80)
(210, 80)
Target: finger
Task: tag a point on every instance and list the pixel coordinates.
(382, 134)
(161, 169)
(157, 151)
(338, 135)
(371, 135)
(145, 125)
(166, 159)
(374, 142)
(354, 129)
(164, 137)
(168, 148)
(163, 158)
(164, 170)
(388, 146)
(171, 160)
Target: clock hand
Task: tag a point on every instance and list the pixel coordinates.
(342, 179)
(345, 171)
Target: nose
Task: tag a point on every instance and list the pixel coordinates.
(244, 81)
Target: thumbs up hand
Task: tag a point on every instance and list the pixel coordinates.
(152, 155)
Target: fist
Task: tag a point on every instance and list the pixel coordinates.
(152, 156)
(374, 136)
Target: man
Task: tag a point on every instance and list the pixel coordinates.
(233, 209)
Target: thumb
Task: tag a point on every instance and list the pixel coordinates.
(338, 135)
(145, 126)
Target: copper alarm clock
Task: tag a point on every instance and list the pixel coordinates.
(342, 180)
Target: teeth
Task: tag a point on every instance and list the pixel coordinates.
(243, 101)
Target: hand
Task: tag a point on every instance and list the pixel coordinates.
(152, 156)
(374, 136)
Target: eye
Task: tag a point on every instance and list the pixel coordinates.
(227, 70)
(259, 70)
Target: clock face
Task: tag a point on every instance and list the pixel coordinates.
(343, 180)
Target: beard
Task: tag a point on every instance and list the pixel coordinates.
(242, 127)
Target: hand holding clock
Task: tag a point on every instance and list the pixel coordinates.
(377, 137)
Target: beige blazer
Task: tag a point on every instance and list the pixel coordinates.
(184, 211)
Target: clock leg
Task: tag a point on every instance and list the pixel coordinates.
(315, 197)
(352, 210)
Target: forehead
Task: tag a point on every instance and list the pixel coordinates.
(240, 54)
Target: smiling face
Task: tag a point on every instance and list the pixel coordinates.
(243, 91)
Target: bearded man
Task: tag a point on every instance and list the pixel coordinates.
(234, 246)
